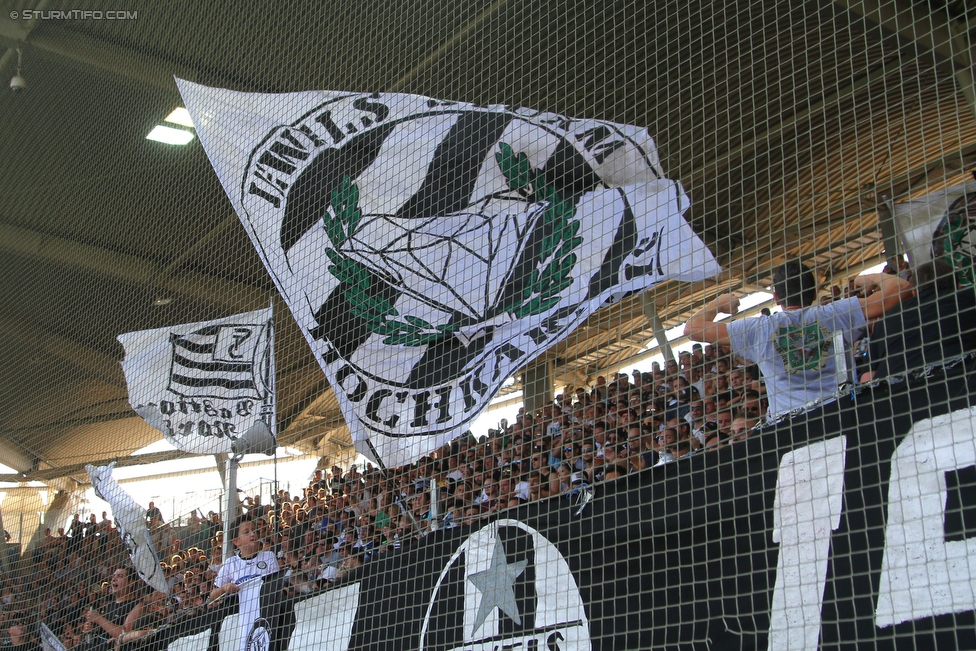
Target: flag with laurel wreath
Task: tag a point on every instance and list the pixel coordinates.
(940, 225)
(430, 249)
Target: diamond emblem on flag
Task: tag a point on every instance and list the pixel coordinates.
(453, 262)
(428, 249)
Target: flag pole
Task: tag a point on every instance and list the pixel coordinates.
(273, 426)
(396, 493)
(230, 505)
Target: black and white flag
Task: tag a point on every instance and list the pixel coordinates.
(430, 249)
(130, 520)
(203, 384)
(940, 225)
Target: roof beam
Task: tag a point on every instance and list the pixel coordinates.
(25, 30)
(912, 182)
(130, 269)
(776, 130)
(913, 23)
(79, 468)
(104, 367)
(99, 54)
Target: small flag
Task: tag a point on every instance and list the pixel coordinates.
(130, 520)
(216, 361)
(939, 225)
(203, 385)
(49, 641)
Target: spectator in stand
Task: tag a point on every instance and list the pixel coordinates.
(696, 418)
(711, 435)
(238, 574)
(666, 440)
(153, 514)
(938, 323)
(565, 472)
(20, 640)
(723, 421)
(641, 443)
(710, 408)
(683, 431)
(119, 615)
(548, 478)
(737, 380)
(586, 460)
(353, 559)
(614, 456)
(794, 348)
(741, 428)
(91, 527)
(751, 406)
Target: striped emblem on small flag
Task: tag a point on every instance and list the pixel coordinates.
(218, 362)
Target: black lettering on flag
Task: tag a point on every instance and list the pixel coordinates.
(598, 141)
(444, 360)
(213, 367)
(379, 111)
(472, 385)
(454, 169)
(376, 400)
(512, 353)
(631, 271)
(325, 119)
(311, 193)
(423, 406)
(267, 196)
(283, 156)
(361, 388)
(223, 383)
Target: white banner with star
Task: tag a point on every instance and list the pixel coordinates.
(431, 249)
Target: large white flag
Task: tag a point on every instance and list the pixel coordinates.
(203, 385)
(130, 520)
(430, 249)
(939, 225)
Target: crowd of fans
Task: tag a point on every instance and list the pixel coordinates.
(80, 584)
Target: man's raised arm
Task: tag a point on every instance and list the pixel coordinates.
(881, 293)
(701, 326)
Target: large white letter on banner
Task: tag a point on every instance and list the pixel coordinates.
(922, 574)
(809, 497)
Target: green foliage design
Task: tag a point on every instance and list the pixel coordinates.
(378, 312)
(957, 228)
(551, 275)
(554, 266)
